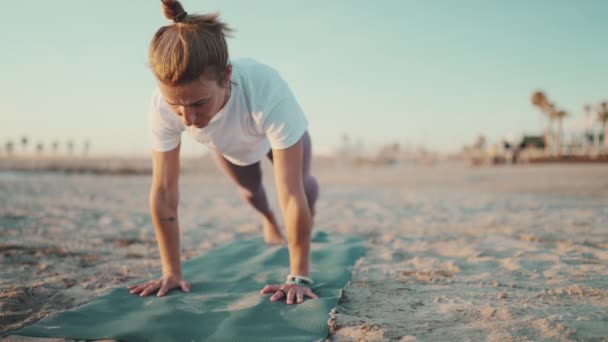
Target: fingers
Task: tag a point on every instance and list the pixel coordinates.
(163, 285)
(166, 286)
(131, 287)
(152, 287)
(270, 289)
(290, 294)
(163, 289)
(310, 294)
(277, 295)
(134, 289)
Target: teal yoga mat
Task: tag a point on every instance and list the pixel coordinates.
(224, 303)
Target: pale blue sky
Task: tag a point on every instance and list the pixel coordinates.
(431, 72)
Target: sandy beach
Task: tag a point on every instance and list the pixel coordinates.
(510, 253)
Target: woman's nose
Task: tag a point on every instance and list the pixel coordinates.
(188, 117)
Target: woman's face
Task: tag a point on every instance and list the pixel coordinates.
(197, 102)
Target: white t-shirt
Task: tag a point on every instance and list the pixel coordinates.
(261, 113)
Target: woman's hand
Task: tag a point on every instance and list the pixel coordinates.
(163, 285)
(291, 291)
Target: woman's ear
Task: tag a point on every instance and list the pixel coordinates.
(228, 73)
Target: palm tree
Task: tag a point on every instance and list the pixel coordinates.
(9, 147)
(539, 99)
(551, 113)
(70, 146)
(602, 116)
(24, 141)
(478, 150)
(55, 146)
(345, 148)
(587, 109)
(86, 147)
(40, 148)
(480, 142)
(559, 115)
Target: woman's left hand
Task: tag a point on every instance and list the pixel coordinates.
(291, 291)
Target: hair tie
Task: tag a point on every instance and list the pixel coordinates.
(180, 17)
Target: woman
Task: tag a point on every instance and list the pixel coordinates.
(243, 111)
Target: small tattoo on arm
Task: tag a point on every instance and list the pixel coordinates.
(169, 219)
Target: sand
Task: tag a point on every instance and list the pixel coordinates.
(453, 252)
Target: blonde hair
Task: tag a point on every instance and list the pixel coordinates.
(192, 46)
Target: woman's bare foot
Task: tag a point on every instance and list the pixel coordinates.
(272, 234)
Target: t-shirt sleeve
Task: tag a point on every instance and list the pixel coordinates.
(285, 123)
(165, 128)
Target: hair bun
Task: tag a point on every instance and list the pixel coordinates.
(180, 17)
(173, 10)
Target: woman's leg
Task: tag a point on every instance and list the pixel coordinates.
(249, 183)
(311, 186)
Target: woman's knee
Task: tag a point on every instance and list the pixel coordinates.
(250, 191)
(248, 181)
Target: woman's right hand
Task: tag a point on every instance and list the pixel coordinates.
(163, 285)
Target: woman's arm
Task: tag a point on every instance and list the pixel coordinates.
(164, 198)
(163, 201)
(288, 176)
(298, 223)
